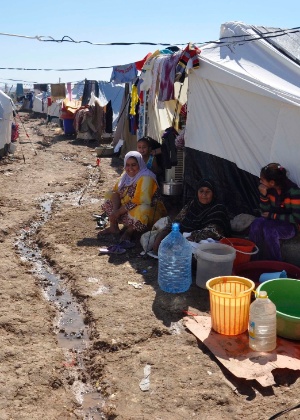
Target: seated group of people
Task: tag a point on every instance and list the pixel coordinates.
(136, 203)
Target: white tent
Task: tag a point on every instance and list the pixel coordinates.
(244, 101)
(40, 105)
(6, 119)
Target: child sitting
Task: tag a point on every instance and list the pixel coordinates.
(145, 149)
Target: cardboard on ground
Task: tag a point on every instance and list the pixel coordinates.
(234, 352)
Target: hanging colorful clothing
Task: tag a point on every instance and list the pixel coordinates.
(124, 74)
(191, 52)
(167, 77)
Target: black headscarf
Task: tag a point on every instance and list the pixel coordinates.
(198, 215)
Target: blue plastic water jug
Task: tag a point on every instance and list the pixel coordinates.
(175, 262)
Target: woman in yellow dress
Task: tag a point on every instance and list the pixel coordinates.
(135, 201)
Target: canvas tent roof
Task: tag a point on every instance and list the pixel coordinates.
(244, 100)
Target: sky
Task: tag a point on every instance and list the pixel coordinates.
(158, 21)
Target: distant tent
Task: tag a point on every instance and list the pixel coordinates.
(6, 119)
(40, 103)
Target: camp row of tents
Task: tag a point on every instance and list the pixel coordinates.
(243, 108)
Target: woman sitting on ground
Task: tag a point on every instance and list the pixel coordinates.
(203, 217)
(280, 212)
(135, 201)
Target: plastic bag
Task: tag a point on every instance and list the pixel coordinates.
(148, 238)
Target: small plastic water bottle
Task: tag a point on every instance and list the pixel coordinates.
(262, 323)
(175, 262)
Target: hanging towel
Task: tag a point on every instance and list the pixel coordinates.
(58, 91)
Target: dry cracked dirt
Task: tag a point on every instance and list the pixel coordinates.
(80, 331)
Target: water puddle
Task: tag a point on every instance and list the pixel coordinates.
(72, 333)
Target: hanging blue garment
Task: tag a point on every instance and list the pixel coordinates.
(124, 74)
(19, 90)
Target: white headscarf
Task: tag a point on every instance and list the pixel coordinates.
(127, 180)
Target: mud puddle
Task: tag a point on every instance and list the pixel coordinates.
(72, 332)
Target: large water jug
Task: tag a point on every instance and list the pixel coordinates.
(175, 262)
(262, 323)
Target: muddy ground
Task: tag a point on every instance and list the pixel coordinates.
(50, 188)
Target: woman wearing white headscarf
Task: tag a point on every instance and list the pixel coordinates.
(135, 201)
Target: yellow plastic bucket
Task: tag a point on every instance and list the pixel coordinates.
(230, 298)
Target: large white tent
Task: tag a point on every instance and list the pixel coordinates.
(244, 105)
(6, 119)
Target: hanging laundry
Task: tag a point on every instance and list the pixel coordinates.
(69, 90)
(139, 64)
(141, 127)
(168, 148)
(167, 77)
(19, 90)
(123, 74)
(89, 87)
(41, 87)
(134, 100)
(29, 97)
(108, 117)
(191, 51)
(146, 74)
(155, 79)
(179, 140)
(58, 91)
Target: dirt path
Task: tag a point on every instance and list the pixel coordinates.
(130, 327)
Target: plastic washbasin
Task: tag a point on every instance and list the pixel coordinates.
(285, 294)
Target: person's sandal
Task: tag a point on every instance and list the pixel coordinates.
(127, 244)
(112, 249)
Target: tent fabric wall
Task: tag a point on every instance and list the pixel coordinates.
(6, 118)
(40, 103)
(244, 106)
(236, 188)
(122, 130)
(243, 127)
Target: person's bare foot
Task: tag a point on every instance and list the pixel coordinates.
(109, 231)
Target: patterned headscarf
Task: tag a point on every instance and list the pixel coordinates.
(126, 180)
